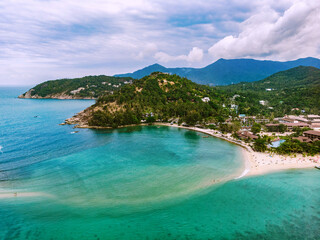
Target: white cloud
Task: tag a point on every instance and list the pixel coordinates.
(268, 34)
(48, 39)
(195, 55)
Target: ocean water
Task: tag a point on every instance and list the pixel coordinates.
(137, 183)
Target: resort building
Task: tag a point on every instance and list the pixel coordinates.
(273, 127)
(303, 139)
(246, 135)
(312, 135)
(313, 121)
(249, 120)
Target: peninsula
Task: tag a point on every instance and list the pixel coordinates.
(90, 87)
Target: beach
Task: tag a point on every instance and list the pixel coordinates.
(257, 163)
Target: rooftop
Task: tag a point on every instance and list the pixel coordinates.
(312, 132)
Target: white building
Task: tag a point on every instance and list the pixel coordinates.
(262, 102)
(205, 99)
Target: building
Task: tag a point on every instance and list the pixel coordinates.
(315, 126)
(312, 117)
(262, 120)
(312, 135)
(205, 99)
(262, 102)
(246, 135)
(313, 121)
(302, 139)
(273, 127)
(290, 126)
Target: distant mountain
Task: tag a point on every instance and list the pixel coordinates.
(225, 72)
(89, 87)
(281, 92)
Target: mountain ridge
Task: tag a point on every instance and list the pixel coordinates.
(227, 71)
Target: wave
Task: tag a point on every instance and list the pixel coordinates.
(243, 173)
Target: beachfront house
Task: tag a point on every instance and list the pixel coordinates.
(246, 135)
(312, 135)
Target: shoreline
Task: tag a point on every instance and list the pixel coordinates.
(257, 163)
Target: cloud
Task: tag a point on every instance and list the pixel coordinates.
(48, 39)
(195, 55)
(268, 34)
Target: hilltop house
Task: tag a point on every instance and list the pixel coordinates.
(205, 99)
(262, 102)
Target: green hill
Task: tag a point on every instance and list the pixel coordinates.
(294, 88)
(89, 87)
(158, 96)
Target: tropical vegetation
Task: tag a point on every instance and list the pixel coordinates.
(163, 97)
(86, 87)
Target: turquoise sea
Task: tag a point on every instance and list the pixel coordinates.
(137, 183)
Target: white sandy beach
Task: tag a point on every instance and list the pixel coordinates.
(22, 194)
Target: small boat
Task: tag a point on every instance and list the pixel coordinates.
(74, 132)
(317, 167)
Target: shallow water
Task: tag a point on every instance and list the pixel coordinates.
(138, 183)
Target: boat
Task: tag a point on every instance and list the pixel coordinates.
(317, 167)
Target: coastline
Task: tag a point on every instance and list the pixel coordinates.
(57, 98)
(257, 163)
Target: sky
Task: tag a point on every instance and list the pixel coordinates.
(49, 39)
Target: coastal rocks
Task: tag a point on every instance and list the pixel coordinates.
(62, 96)
(27, 94)
(80, 119)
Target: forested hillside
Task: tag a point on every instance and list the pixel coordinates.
(87, 87)
(156, 97)
(293, 90)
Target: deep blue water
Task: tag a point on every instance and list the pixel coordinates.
(137, 183)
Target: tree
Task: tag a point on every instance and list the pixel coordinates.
(256, 128)
(282, 128)
(150, 119)
(260, 145)
(192, 117)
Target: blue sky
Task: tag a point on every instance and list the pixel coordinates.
(49, 39)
